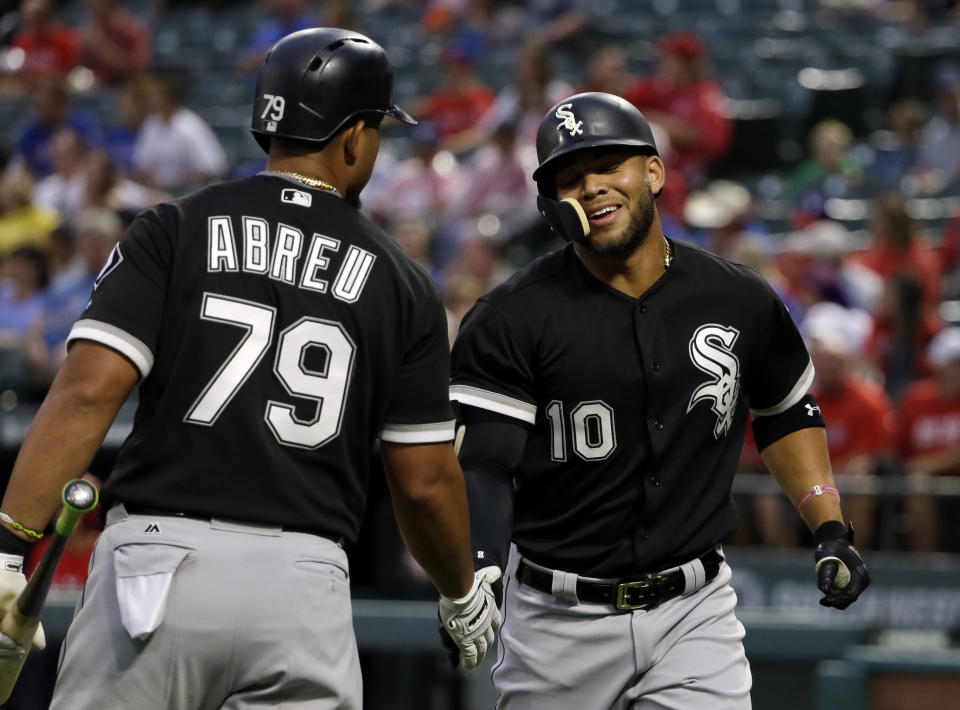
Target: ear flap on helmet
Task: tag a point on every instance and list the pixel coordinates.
(565, 217)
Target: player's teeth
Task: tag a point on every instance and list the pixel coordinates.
(605, 210)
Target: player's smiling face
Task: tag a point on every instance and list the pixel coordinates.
(613, 185)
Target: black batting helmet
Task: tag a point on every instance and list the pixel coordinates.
(589, 120)
(312, 82)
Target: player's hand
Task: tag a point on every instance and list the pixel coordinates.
(10, 651)
(472, 621)
(453, 651)
(12, 583)
(480, 564)
(841, 574)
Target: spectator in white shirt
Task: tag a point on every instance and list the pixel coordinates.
(175, 147)
(65, 189)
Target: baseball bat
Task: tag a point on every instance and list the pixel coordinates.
(21, 622)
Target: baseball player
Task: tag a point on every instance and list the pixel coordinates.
(604, 392)
(275, 333)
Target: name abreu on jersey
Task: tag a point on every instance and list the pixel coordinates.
(282, 264)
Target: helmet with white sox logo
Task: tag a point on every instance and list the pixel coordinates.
(589, 120)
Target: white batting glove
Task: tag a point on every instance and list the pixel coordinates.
(12, 583)
(473, 620)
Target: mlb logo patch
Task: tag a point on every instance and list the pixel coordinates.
(296, 197)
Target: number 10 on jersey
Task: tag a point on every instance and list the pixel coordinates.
(592, 428)
(328, 387)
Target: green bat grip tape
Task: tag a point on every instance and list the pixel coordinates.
(78, 497)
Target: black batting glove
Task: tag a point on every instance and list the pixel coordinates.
(841, 574)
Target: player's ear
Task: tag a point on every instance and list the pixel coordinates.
(656, 173)
(352, 138)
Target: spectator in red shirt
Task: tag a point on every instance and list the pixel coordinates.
(897, 248)
(928, 442)
(462, 99)
(859, 415)
(116, 45)
(685, 103)
(907, 316)
(607, 72)
(49, 47)
(532, 91)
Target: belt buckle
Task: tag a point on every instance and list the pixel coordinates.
(641, 594)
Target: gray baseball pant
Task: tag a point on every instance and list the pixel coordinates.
(687, 653)
(187, 614)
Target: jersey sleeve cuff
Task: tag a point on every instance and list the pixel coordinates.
(494, 402)
(113, 337)
(795, 395)
(437, 432)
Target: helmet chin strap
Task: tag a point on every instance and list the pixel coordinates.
(565, 217)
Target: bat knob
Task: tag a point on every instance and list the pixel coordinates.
(80, 496)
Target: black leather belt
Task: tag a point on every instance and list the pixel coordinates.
(647, 591)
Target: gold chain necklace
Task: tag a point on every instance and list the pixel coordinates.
(667, 254)
(312, 182)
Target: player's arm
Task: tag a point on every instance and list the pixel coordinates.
(430, 504)
(492, 385)
(111, 348)
(789, 430)
(426, 483)
(429, 501)
(793, 445)
(69, 427)
(490, 448)
(799, 461)
(489, 371)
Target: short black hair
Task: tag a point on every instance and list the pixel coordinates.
(294, 147)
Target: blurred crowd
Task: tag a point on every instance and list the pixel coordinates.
(879, 304)
(841, 227)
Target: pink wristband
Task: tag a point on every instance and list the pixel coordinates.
(814, 492)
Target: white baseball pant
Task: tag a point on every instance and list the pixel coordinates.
(187, 614)
(687, 653)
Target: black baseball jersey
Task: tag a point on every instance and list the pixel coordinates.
(636, 407)
(278, 333)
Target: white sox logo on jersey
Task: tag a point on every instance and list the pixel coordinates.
(569, 121)
(711, 349)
